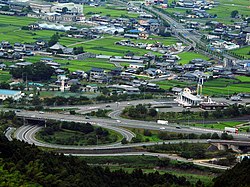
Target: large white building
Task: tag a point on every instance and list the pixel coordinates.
(186, 98)
(15, 95)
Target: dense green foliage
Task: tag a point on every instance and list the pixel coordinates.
(188, 150)
(35, 72)
(238, 176)
(144, 112)
(49, 169)
(71, 133)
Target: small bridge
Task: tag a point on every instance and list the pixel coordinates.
(237, 146)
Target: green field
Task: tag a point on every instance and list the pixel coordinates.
(106, 46)
(4, 76)
(74, 65)
(174, 83)
(224, 9)
(222, 87)
(148, 164)
(186, 57)
(219, 125)
(243, 78)
(110, 11)
(245, 51)
(11, 31)
(216, 87)
(193, 178)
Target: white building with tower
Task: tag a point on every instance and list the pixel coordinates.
(187, 99)
(62, 79)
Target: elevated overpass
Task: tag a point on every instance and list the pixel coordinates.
(237, 146)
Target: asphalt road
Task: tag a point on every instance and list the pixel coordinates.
(124, 123)
(191, 38)
(27, 133)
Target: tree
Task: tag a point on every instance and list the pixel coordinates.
(4, 85)
(147, 132)
(215, 136)
(54, 39)
(205, 114)
(5, 8)
(124, 141)
(35, 72)
(225, 136)
(152, 112)
(77, 50)
(234, 13)
(74, 88)
(64, 10)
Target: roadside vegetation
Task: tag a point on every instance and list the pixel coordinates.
(189, 150)
(147, 113)
(70, 133)
(162, 165)
(29, 165)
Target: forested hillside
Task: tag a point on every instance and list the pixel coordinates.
(235, 177)
(23, 164)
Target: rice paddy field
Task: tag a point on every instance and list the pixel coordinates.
(186, 57)
(110, 11)
(107, 46)
(216, 87)
(4, 76)
(11, 31)
(74, 65)
(245, 51)
(222, 10)
(222, 87)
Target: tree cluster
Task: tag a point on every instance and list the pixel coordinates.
(139, 111)
(35, 72)
(30, 165)
(58, 101)
(238, 176)
(54, 39)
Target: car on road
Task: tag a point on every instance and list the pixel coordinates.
(107, 106)
(178, 127)
(86, 117)
(128, 104)
(18, 110)
(41, 112)
(33, 116)
(162, 128)
(118, 121)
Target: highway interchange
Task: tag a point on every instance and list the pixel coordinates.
(115, 122)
